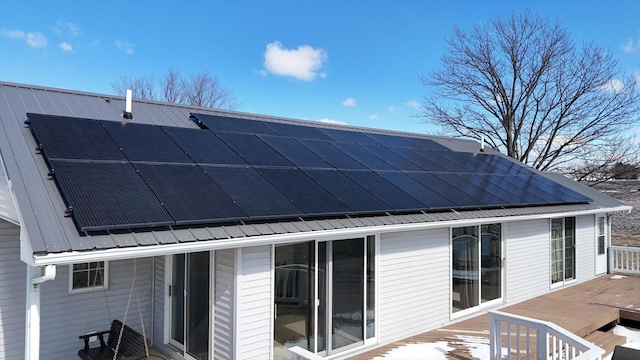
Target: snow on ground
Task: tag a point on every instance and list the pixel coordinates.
(418, 351)
(618, 277)
(633, 338)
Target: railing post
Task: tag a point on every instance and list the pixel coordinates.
(495, 343)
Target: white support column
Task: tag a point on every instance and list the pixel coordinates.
(32, 338)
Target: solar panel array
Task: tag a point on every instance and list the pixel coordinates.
(117, 175)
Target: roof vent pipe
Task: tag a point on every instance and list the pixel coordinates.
(127, 110)
(481, 143)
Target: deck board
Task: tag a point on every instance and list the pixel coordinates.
(581, 308)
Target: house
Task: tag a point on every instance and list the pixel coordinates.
(228, 235)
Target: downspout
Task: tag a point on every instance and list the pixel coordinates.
(32, 339)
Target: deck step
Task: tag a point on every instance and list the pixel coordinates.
(606, 340)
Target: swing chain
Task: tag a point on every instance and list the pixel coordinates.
(126, 312)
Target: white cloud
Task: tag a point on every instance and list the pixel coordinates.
(65, 28)
(630, 46)
(332, 121)
(125, 46)
(33, 39)
(414, 104)
(392, 108)
(302, 63)
(613, 86)
(374, 117)
(350, 102)
(65, 46)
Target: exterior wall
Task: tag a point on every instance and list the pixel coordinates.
(414, 283)
(158, 307)
(585, 247)
(528, 252)
(63, 311)
(254, 303)
(13, 277)
(223, 302)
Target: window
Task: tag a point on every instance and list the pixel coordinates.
(88, 276)
(601, 236)
(476, 261)
(563, 249)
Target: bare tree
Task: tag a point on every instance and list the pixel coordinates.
(525, 85)
(205, 90)
(202, 89)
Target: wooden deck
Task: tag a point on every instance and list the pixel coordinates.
(581, 309)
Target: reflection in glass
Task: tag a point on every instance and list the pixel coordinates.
(556, 251)
(371, 289)
(198, 305)
(490, 262)
(569, 248)
(177, 298)
(465, 268)
(348, 291)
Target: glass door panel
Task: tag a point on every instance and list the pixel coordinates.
(197, 330)
(176, 293)
(465, 268)
(347, 287)
(490, 262)
(569, 249)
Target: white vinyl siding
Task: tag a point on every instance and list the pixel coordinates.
(13, 277)
(224, 297)
(61, 310)
(527, 259)
(254, 322)
(414, 283)
(586, 249)
(158, 307)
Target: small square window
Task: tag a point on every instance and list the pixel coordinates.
(88, 276)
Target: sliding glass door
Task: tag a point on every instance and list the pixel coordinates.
(339, 278)
(563, 250)
(476, 265)
(189, 291)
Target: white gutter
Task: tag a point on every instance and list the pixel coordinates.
(335, 234)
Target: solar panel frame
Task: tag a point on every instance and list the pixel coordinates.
(218, 124)
(188, 194)
(204, 147)
(253, 193)
(142, 142)
(108, 195)
(64, 137)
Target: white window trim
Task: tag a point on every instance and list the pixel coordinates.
(573, 280)
(105, 282)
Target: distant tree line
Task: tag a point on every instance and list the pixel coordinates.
(200, 89)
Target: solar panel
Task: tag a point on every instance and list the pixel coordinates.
(72, 138)
(391, 157)
(423, 162)
(347, 191)
(227, 124)
(426, 144)
(390, 140)
(332, 155)
(256, 196)
(398, 199)
(348, 136)
(188, 194)
(203, 146)
(108, 195)
(431, 198)
(297, 131)
(304, 192)
(295, 152)
(253, 150)
(141, 142)
(363, 156)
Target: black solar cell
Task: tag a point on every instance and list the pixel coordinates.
(297, 131)
(72, 138)
(253, 150)
(256, 196)
(305, 193)
(332, 155)
(391, 157)
(228, 124)
(108, 196)
(142, 142)
(398, 199)
(363, 156)
(204, 147)
(431, 198)
(188, 194)
(295, 152)
(348, 136)
(348, 191)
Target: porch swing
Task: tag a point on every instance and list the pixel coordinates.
(123, 342)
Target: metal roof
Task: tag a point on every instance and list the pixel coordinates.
(41, 207)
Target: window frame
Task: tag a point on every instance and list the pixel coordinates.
(88, 288)
(601, 235)
(563, 250)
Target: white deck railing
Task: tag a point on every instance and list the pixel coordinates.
(624, 259)
(519, 337)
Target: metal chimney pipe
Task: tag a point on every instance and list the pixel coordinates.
(127, 109)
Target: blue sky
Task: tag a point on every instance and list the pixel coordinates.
(354, 62)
